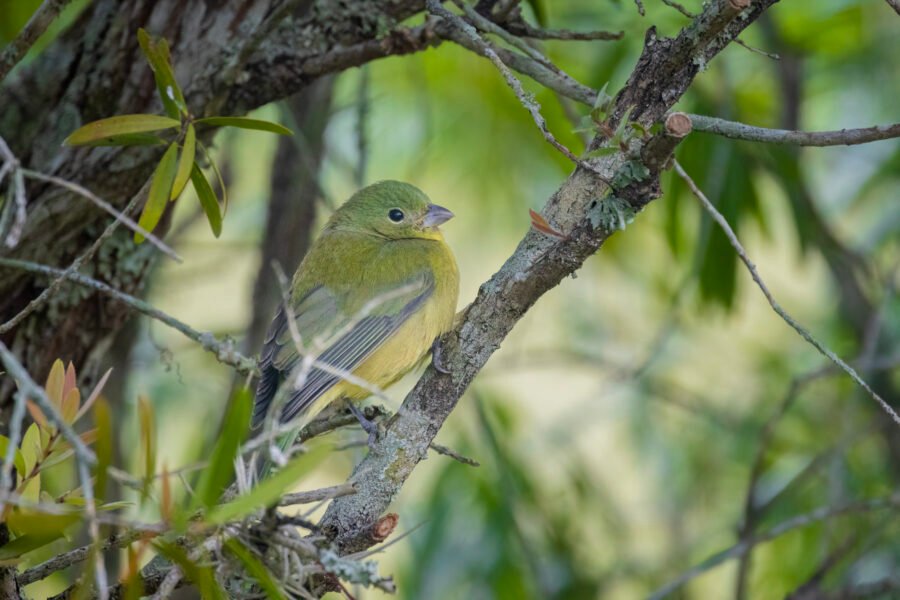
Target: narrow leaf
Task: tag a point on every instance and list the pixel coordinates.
(148, 442)
(70, 405)
(36, 415)
(255, 568)
(18, 460)
(157, 53)
(185, 163)
(541, 224)
(165, 508)
(104, 129)
(160, 185)
(55, 382)
(128, 139)
(245, 123)
(24, 544)
(207, 199)
(104, 445)
(221, 465)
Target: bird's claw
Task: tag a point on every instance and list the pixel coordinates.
(369, 426)
(436, 357)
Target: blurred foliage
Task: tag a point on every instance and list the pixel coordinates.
(619, 424)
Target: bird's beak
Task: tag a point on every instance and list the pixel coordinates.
(436, 215)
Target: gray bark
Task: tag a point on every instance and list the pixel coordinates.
(229, 57)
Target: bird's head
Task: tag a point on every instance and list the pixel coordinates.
(391, 209)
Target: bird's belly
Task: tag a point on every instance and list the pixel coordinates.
(402, 351)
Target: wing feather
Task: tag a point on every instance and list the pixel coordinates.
(318, 315)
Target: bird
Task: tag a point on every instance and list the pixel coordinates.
(371, 297)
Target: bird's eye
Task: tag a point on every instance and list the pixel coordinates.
(396, 215)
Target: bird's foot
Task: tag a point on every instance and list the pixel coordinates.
(369, 426)
(436, 357)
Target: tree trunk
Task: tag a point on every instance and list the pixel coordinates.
(229, 56)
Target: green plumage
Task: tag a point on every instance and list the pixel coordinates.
(374, 291)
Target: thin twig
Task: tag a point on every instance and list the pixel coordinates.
(73, 268)
(72, 557)
(487, 50)
(224, 350)
(742, 254)
(840, 137)
(109, 208)
(344, 489)
(804, 520)
(37, 24)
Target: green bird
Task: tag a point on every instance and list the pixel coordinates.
(370, 298)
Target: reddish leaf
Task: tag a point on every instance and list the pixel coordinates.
(541, 224)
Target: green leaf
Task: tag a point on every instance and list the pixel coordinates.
(100, 132)
(159, 191)
(255, 568)
(157, 53)
(540, 14)
(188, 151)
(245, 123)
(207, 199)
(129, 139)
(148, 441)
(18, 461)
(31, 453)
(41, 524)
(26, 543)
(234, 428)
(268, 490)
(104, 445)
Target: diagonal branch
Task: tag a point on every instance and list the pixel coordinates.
(806, 335)
(36, 26)
(663, 73)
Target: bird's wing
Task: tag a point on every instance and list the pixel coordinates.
(350, 339)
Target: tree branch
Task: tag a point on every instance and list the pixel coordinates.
(224, 351)
(840, 137)
(37, 24)
(806, 335)
(744, 546)
(540, 262)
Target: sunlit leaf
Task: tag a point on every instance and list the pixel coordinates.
(31, 453)
(111, 127)
(268, 490)
(70, 405)
(185, 163)
(158, 195)
(207, 199)
(156, 50)
(26, 521)
(55, 382)
(18, 460)
(221, 464)
(255, 568)
(245, 123)
(26, 543)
